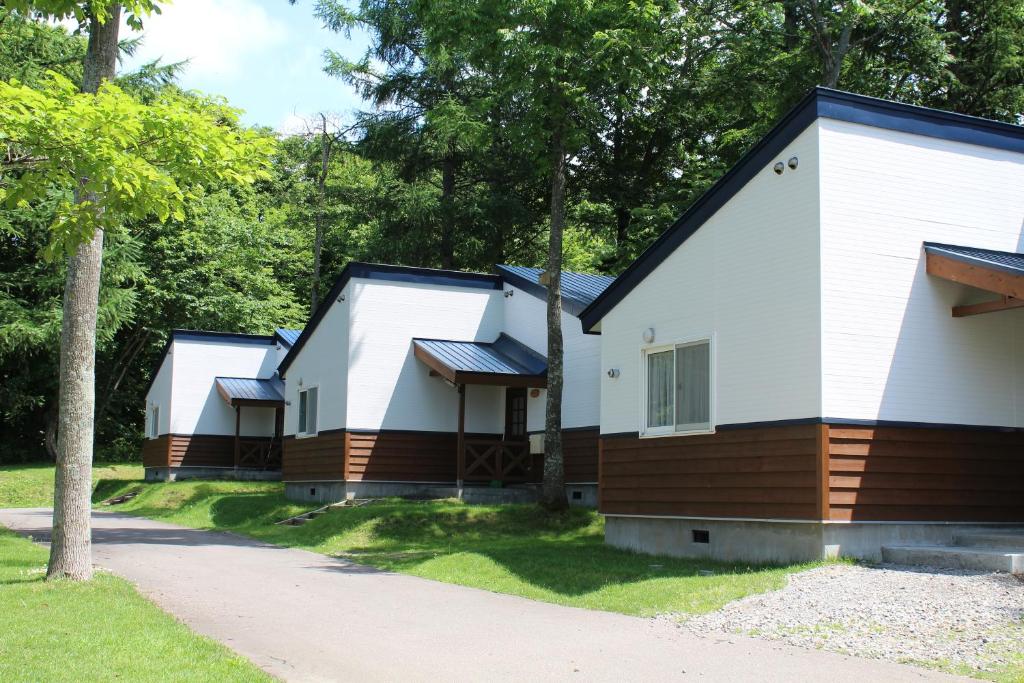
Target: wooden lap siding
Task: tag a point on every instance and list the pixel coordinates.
(155, 451)
(762, 473)
(191, 450)
(315, 458)
(402, 456)
(925, 474)
(579, 450)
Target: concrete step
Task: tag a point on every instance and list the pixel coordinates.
(1013, 540)
(951, 557)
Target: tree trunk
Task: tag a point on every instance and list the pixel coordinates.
(553, 487)
(448, 211)
(71, 543)
(326, 142)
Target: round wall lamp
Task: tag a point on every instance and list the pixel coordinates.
(793, 163)
(613, 373)
(649, 335)
(534, 393)
(779, 167)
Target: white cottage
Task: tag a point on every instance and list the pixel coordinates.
(822, 356)
(411, 379)
(214, 406)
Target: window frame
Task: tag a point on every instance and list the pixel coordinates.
(646, 350)
(299, 428)
(154, 421)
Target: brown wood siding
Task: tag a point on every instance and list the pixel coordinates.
(202, 450)
(154, 451)
(762, 472)
(925, 474)
(579, 450)
(402, 456)
(317, 458)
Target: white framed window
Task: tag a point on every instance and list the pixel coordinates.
(154, 422)
(677, 389)
(309, 400)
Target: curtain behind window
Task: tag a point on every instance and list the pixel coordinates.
(659, 389)
(302, 412)
(693, 387)
(311, 406)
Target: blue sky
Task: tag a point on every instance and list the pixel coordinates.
(265, 56)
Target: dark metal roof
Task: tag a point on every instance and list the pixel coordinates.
(251, 389)
(578, 289)
(287, 337)
(504, 356)
(1006, 261)
(818, 103)
(379, 271)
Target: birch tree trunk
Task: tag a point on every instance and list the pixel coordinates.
(553, 487)
(71, 545)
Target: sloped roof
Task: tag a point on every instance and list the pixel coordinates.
(1006, 261)
(287, 337)
(503, 361)
(818, 103)
(578, 289)
(251, 390)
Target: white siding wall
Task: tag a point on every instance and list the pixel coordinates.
(749, 276)
(197, 407)
(160, 395)
(322, 362)
(891, 350)
(389, 388)
(526, 321)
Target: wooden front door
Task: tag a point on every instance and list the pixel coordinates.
(515, 414)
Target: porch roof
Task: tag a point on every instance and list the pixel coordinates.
(503, 362)
(240, 391)
(999, 272)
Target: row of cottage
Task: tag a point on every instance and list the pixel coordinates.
(819, 357)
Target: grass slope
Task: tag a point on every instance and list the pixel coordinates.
(31, 486)
(513, 549)
(100, 630)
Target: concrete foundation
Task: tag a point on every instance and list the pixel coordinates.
(334, 491)
(777, 541)
(182, 473)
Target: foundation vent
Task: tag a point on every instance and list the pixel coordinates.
(701, 536)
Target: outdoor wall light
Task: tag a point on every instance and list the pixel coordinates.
(509, 292)
(341, 298)
(793, 163)
(534, 393)
(779, 167)
(613, 373)
(649, 335)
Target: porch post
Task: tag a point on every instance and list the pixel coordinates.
(238, 431)
(461, 453)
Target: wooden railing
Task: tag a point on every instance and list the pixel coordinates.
(260, 454)
(497, 460)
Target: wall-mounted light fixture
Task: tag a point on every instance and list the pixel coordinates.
(779, 167)
(613, 373)
(793, 163)
(509, 292)
(534, 393)
(341, 297)
(649, 335)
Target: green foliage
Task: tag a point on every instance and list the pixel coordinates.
(122, 160)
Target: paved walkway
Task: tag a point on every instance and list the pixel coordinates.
(306, 617)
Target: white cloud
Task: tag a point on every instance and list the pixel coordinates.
(217, 36)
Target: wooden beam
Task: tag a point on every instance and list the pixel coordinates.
(989, 279)
(501, 380)
(822, 466)
(1003, 303)
(461, 455)
(434, 364)
(238, 435)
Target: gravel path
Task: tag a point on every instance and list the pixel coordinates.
(901, 614)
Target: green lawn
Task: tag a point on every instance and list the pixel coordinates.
(27, 486)
(102, 630)
(513, 549)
